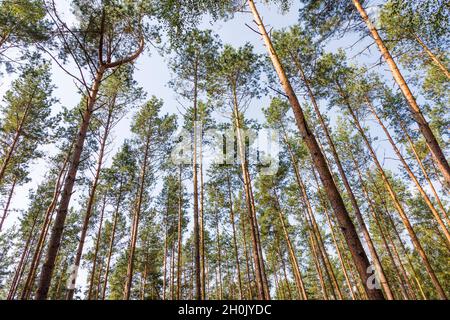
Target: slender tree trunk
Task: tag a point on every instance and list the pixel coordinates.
(17, 135)
(422, 167)
(432, 56)
(313, 245)
(91, 201)
(400, 209)
(172, 271)
(97, 246)
(238, 267)
(58, 226)
(305, 200)
(199, 289)
(397, 234)
(412, 176)
(244, 239)
(341, 259)
(258, 263)
(136, 216)
(219, 255)
(283, 265)
(166, 250)
(21, 265)
(202, 221)
(8, 202)
(295, 266)
(430, 139)
(377, 222)
(278, 292)
(111, 242)
(312, 222)
(345, 223)
(180, 234)
(45, 228)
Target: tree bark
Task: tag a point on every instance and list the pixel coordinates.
(21, 265)
(295, 266)
(424, 171)
(262, 293)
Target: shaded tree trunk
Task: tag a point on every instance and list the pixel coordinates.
(373, 253)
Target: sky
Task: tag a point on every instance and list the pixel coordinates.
(153, 75)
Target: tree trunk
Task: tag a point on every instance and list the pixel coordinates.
(295, 266)
(373, 253)
(219, 256)
(199, 288)
(424, 171)
(91, 201)
(432, 56)
(8, 202)
(308, 214)
(111, 242)
(21, 265)
(377, 222)
(430, 139)
(44, 229)
(166, 252)
(97, 246)
(397, 235)
(58, 226)
(238, 267)
(180, 234)
(244, 239)
(136, 216)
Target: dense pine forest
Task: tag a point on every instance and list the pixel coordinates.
(309, 164)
